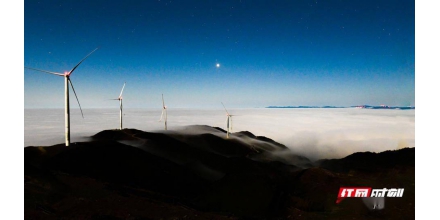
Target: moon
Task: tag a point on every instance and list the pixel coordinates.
(217, 65)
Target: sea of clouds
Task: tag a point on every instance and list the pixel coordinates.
(314, 133)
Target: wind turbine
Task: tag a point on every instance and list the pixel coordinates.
(164, 109)
(67, 80)
(120, 107)
(229, 118)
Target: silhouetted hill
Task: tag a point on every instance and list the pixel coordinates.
(197, 173)
(370, 162)
(117, 135)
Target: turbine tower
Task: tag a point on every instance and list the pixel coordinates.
(228, 122)
(67, 80)
(120, 107)
(164, 109)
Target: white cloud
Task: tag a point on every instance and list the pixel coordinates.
(314, 133)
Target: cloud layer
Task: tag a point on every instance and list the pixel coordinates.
(314, 133)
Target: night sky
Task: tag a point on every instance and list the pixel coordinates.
(329, 52)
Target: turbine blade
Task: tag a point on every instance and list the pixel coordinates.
(44, 71)
(122, 90)
(76, 97)
(161, 115)
(163, 102)
(225, 109)
(81, 61)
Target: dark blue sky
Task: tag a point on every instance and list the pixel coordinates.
(271, 52)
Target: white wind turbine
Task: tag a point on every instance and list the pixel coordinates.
(164, 109)
(67, 80)
(120, 107)
(228, 122)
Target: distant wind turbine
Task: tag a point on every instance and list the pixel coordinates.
(120, 107)
(228, 122)
(164, 109)
(67, 80)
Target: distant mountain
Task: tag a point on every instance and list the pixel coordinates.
(305, 106)
(384, 107)
(354, 106)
